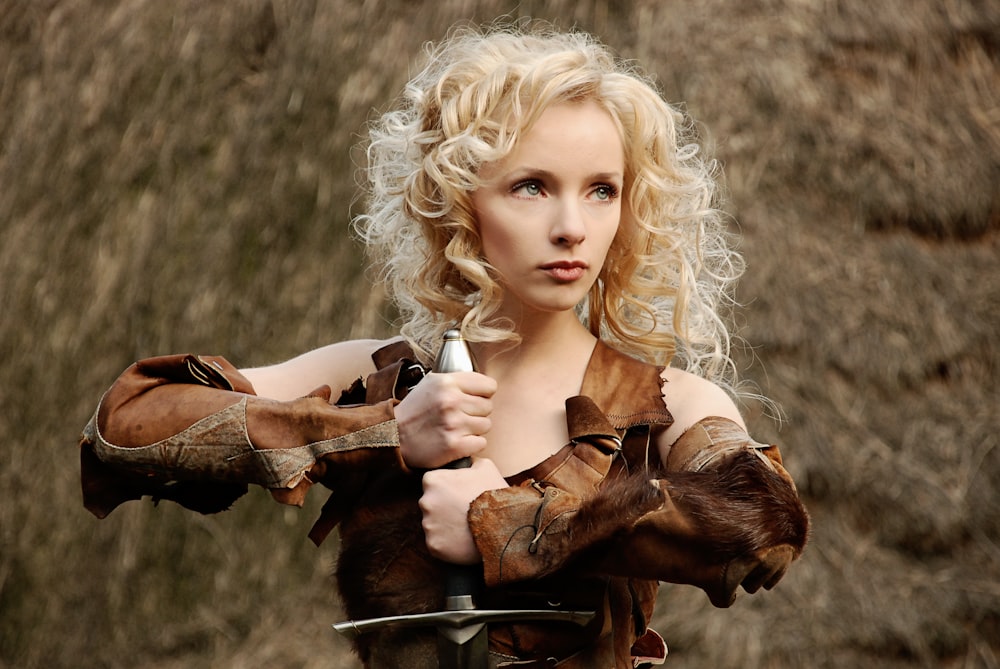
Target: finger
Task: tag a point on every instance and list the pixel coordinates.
(450, 412)
(452, 396)
(474, 383)
(431, 478)
(485, 465)
(430, 537)
(756, 578)
(477, 426)
(776, 576)
(450, 449)
(466, 446)
(486, 468)
(737, 572)
(488, 473)
(781, 557)
(474, 405)
(773, 564)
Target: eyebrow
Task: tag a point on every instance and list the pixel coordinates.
(547, 174)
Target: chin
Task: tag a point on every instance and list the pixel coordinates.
(554, 299)
(554, 307)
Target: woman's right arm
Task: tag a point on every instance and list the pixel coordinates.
(196, 430)
(335, 365)
(442, 419)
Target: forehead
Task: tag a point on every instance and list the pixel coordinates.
(570, 134)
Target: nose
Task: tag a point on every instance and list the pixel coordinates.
(568, 228)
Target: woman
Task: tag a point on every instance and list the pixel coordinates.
(541, 196)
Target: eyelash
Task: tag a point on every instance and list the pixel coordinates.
(612, 191)
(523, 184)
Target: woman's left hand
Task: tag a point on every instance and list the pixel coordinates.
(445, 505)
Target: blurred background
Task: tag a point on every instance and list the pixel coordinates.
(179, 176)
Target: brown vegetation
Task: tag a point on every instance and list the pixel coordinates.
(178, 176)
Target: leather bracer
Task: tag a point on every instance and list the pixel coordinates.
(190, 429)
(723, 513)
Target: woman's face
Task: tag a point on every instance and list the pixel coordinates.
(548, 212)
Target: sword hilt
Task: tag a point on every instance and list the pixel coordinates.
(462, 583)
(462, 640)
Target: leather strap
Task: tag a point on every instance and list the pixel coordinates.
(397, 372)
(581, 466)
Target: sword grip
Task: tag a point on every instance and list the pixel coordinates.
(461, 463)
(461, 581)
(455, 356)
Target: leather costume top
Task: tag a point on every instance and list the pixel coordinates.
(385, 568)
(594, 527)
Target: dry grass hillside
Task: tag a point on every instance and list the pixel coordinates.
(178, 176)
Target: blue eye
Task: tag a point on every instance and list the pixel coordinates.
(605, 193)
(529, 188)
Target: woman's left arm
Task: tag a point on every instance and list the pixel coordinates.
(723, 512)
(690, 399)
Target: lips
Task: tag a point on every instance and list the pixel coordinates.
(565, 271)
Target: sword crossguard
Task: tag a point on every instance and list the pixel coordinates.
(462, 619)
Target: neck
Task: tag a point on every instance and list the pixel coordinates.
(545, 342)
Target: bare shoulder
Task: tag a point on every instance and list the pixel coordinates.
(336, 365)
(691, 398)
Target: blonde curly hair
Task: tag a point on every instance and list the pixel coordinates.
(669, 271)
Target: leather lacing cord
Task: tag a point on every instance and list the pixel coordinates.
(542, 487)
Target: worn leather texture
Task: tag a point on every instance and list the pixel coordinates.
(594, 527)
(389, 571)
(190, 428)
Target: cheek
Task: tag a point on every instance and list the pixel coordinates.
(499, 248)
(625, 228)
(614, 236)
(495, 238)
(614, 229)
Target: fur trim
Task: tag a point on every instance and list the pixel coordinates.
(622, 502)
(741, 506)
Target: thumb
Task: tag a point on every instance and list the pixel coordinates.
(323, 391)
(487, 470)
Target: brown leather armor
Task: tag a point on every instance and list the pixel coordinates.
(593, 527)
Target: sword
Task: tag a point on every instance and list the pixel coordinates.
(463, 642)
(457, 628)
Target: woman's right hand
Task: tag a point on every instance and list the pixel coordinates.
(444, 418)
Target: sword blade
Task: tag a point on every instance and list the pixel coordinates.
(458, 650)
(462, 647)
